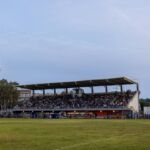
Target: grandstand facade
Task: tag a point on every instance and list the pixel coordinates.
(74, 102)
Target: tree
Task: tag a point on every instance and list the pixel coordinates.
(8, 94)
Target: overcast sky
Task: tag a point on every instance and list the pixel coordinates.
(63, 40)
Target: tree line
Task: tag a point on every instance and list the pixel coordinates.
(8, 94)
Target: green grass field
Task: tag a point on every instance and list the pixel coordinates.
(24, 134)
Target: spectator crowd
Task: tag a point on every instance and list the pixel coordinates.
(69, 101)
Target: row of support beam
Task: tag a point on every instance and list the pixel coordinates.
(92, 90)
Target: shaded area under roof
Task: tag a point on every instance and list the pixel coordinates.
(84, 83)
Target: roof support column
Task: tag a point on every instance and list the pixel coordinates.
(54, 91)
(43, 92)
(33, 93)
(92, 90)
(121, 88)
(66, 90)
(106, 89)
(137, 87)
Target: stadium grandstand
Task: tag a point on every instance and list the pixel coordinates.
(74, 102)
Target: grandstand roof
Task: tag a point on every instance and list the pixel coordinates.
(84, 83)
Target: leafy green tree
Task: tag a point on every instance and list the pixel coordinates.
(8, 94)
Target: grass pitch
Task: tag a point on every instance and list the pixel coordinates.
(26, 134)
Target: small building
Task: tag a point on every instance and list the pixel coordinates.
(24, 94)
(146, 110)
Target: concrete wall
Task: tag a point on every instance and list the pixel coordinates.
(134, 103)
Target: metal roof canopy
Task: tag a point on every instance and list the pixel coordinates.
(84, 83)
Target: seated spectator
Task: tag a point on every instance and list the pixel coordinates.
(86, 101)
